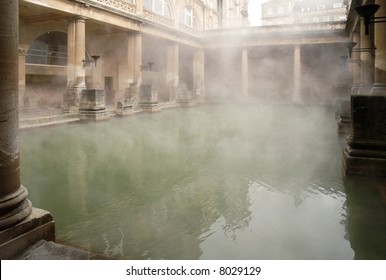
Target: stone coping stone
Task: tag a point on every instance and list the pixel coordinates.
(48, 250)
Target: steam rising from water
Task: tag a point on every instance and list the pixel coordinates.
(212, 182)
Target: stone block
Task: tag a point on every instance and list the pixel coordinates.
(365, 153)
(92, 105)
(37, 226)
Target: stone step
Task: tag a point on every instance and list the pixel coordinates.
(47, 120)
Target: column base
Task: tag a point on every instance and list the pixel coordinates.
(150, 107)
(362, 165)
(343, 115)
(344, 124)
(355, 90)
(37, 226)
(364, 89)
(378, 89)
(365, 153)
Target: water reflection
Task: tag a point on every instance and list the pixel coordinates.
(213, 182)
(366, 218)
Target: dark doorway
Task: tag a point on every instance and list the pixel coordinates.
(109, 90)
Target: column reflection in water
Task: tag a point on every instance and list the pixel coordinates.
(256, 182)
(366, 217)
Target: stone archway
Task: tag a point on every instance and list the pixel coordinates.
(46, 70)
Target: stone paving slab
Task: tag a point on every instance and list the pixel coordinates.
(48, 250)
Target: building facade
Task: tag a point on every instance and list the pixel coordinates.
(303, 11)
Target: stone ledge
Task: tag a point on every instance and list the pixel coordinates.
(14, 240)
(48, 250)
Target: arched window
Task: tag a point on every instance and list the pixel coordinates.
(50, 48)
(161, 7)
(188, 17)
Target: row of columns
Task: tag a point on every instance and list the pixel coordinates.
(297, 70)
(76, 53)
(369, 58)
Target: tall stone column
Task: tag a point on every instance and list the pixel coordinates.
(172, 76)
(14, 205)
(356, 66)
(296, 97)
(367, 58)
(138, 58)
(17, 219)
(70, 52)
(379, 86)
(76, 73)
(80, 52)
(199, 73)
(244, 71)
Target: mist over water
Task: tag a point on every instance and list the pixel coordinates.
(210, 182)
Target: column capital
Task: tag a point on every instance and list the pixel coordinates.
(78, 18)
(22, 52)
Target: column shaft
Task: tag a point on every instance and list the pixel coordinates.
(14, 206)
(138, 58)
(199, 72)
(244, 71)
(80, 51)
(296, 97)
(356, 66)
(379, 87)
(172, 66)
(71, 52)
(367, 58)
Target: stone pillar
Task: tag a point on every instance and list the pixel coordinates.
(172, 70)
(80, 52)
(379, 86)
(14, 205)
(356, 65)
(137, 66)
(22, 55)
(199, 73)
(17, 218)
(138, 58)
(244, 71)
(367, 58)
(71, 52)
(76, 73)
(296, 97)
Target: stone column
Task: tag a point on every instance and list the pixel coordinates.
(172, 76)
(80, 52)
(367, 58)
(379, 86)
(71, 52)
(138, 58)
(356, 66)
(296, 97)
(199, 73)
(19, 225)
(244, 71)
(76, 73)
